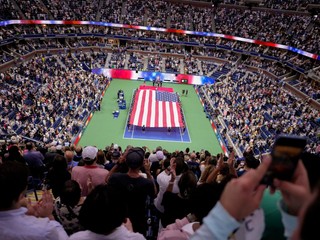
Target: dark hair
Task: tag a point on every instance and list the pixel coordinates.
(29, 146)
(13, 181)
(311, 216)
(312, 164)
(135, 157)
(146, 155)
(71, 193)
(166, 163)
(59, 163)
(103, 210)
(101, 159)
(252, 162)
(204, 198)
(187, 183)
(181, 166)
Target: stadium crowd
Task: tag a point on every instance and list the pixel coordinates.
(134, 192)
(172, 195)
(36, 104)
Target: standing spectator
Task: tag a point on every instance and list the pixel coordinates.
(177, 205)
(68, 205)
(103, 214)
(17, 222)
(164, 178)
(78, 156)
(69, 155)
(90, 170)
(15, 155)
(57, 175)
(136, 188)
(35, 161)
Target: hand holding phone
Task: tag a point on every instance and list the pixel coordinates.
(285, 155)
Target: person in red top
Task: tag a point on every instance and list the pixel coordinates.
(89, 175)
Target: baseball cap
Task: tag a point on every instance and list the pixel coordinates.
(159, 155)
(115, 146)
(89, 153)
(116, 154)
(135, 157)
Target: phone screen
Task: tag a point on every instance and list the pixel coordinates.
(285, 155)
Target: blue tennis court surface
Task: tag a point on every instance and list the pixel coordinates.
(159, 134)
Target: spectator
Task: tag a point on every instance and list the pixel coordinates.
(17, 222)
(34, 160)
(164, 177)
(14, 154)
(176, 206)
(103, 214)
(67, 207)
(82, 174)
(247, 189)
(135, 188)
(57, 175)
(69, 155)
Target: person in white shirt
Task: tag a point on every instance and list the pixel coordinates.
(17, 222)
(164, 177)
(103, 214)
(297, 200)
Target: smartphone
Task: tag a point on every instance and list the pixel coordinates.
(285, 154)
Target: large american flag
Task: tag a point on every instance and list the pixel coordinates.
(153, 108)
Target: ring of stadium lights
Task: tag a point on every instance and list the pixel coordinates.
(156, 29)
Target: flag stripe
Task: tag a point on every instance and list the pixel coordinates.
(156, 113)
(156, 109)
(134, 111)
(145, 108)
(140, 107)
(172, 114)
(164, 116)
(150, 110)
(179, 115)
(168, 107)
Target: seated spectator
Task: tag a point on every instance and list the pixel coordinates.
(18, 222)
(103, 215)
(67, 206)
(57, 175)
(135, 188)
(90, 170)
(176, 206)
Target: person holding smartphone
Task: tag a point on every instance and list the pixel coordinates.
(297, 200)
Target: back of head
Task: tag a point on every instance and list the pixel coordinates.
(13, 181)
(29, 146)
(89, 155)
(78, 150)
(135, 157)
(181, 166)
(103, 210)
(252, 162)
(69, 155)
(59, 163)
(312, 164)
(187, 183)
(101, 158)
(204, 198)
(225, 169)
(71, 193)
